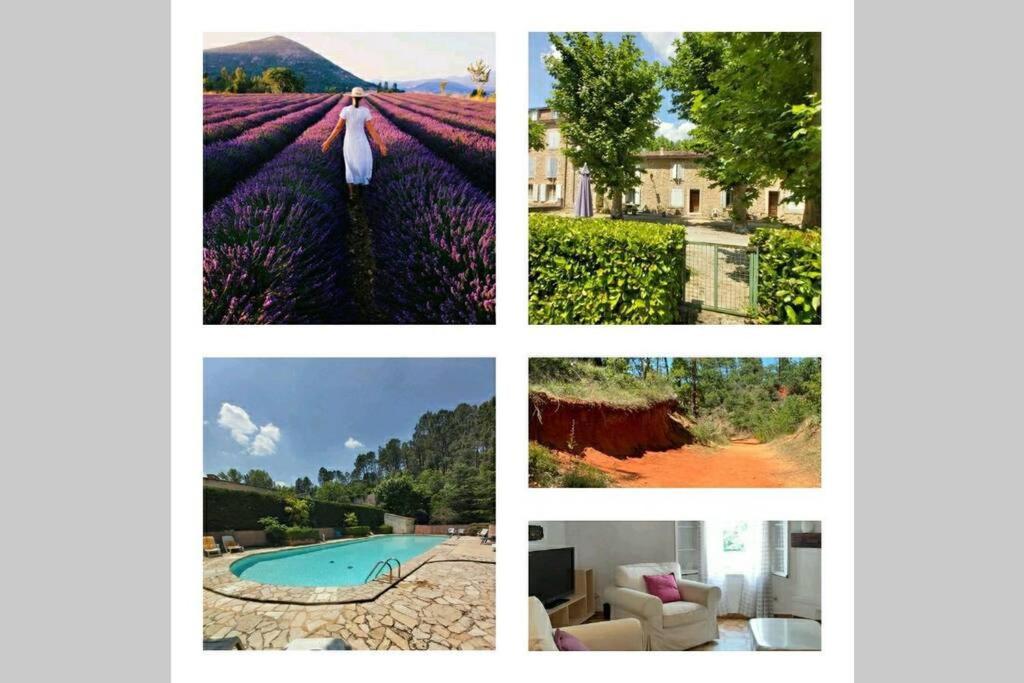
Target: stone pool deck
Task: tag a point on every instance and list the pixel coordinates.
(444, 602)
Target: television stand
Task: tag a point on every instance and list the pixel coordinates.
(580, 606)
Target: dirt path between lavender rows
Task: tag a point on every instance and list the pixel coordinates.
(740, 464)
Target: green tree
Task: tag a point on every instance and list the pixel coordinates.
(297, 510)
(390, 457)
(303, 486)
(260, 478)
(399, 495)
(231, 475)
(755, 100)
(332, 492)
(479, 73)
(279, 79)
(536, 135)
(606, 96)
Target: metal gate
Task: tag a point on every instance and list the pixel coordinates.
(721, 278)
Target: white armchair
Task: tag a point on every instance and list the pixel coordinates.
(680, 625)
(616, 635)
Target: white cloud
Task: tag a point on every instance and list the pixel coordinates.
(236, 421)
(663, 44)
(552, 51)
(674, 131)
(265, 442)
(257, 440)
(280, 483)
(353, 443)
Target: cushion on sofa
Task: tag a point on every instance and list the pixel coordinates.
(683, 613)
(567, 642)
(632, 575)
(663, 586)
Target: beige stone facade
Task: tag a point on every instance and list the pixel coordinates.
(669, 182)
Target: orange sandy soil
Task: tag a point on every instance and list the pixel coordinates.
(740, 464)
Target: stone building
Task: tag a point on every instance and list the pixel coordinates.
(669, 182)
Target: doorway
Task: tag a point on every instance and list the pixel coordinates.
(773, 204)
(694, 201)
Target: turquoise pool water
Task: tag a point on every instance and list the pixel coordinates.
(334, 564)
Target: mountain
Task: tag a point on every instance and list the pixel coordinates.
(254, 56)
(459, 85)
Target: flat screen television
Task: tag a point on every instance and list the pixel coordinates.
(552, 575)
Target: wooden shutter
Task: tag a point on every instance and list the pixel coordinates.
(778, 538)
(552, 167)
(721, 198)
(677, 197)
(558, 193)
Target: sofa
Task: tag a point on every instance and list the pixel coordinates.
(680, 625)
(618, 634)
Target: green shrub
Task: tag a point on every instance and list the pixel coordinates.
(594, 271)
(302, 533)
(789, 275)
(275, 530)
(385, 529)
(357, 531)
(708, 432)
(583, 476)
(543, 466)
(784, 417)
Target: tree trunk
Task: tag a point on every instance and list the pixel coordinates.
(693, 388)
(812, 214)
(739, 205)
(616, 203)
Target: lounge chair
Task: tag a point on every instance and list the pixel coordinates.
(462, 531)
(210, 546)
(230, 544)
(451, 531)
(483, 535)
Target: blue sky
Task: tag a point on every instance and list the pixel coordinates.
(655, 46)
(290, 416)
(386, 56)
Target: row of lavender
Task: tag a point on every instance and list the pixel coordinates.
(227, 162)
(231, 127)
(213, 102)
(274, 248)
(433, 234)
(470, 152)
(474, 122)
(233, 112)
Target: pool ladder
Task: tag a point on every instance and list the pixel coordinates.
(381, 566)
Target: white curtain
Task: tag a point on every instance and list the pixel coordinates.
(744, 578)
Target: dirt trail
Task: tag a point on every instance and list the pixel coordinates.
(740, 464)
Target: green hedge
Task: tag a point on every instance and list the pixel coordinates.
(385, 529)
(299, 533)
(225, 509)
(357, 531)
(789, 275)
(594, 270)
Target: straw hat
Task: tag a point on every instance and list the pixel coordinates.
(357, 92)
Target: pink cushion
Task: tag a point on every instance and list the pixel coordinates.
(566, 642)
(664, 586)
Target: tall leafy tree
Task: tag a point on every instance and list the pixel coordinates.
(755, 100)
(606, 96)
(260, 478)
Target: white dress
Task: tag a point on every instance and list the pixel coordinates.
(358, 157)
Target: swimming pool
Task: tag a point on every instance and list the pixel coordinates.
(334, 564)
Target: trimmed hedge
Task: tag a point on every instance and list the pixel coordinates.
(357, 531)
(385, 529)
(598, 271)
(299, 533)
(225, 509)
(789, 275)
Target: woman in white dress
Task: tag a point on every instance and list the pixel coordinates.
(358, 157)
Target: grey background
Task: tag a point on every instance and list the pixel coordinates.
(84, 262)
(938, 340)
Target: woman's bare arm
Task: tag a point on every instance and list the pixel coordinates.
(333, 136)
(376, 138)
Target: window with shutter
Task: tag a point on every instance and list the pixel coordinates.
(543, 193)
(558, 193)
(535, 114)
(677, 197)
(677, 171)
(554, 139)
(778, 538)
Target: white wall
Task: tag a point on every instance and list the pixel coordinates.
(602, 546)
(800, 592)
(554, 536)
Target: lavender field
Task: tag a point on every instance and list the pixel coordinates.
(283, 243)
